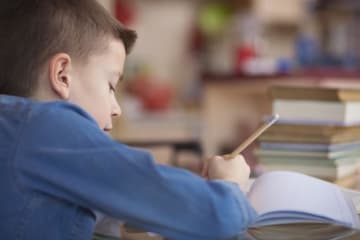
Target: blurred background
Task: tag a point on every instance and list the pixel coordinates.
(197, 81)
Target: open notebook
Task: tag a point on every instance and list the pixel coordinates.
(295, 206)
(288, 202)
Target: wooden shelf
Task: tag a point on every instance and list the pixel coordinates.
(316, 73)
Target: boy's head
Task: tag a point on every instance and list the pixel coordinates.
(63, 49)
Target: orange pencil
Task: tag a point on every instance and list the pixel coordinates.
(252, 138)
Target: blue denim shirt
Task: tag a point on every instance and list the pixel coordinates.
(57, 167)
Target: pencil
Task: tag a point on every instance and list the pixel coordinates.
(252, 137)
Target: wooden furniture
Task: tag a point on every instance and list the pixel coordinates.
(172, 137)
(233, 106)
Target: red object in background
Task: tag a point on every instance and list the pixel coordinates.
(124, 12)
(243, 54)
(154, 96)
(157, 98)
(139, 85)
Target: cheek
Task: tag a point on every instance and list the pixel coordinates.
(100, 117)
(97, 106)
(102, 107)
(99, 97)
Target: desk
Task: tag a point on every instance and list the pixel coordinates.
(270, 235)
(303, 232)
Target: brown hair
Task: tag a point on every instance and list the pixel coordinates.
(32, 31)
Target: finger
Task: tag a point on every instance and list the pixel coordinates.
(205, 169)
(227, 157)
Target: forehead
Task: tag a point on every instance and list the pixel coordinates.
(114, 54)
(116, 48)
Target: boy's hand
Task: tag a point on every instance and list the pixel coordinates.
(233, 170)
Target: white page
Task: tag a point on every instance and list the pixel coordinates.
(310, 110)
(287, 191)
(354, 197)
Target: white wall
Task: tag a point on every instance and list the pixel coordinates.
(163, 27)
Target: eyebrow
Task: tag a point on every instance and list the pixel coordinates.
(121, 78)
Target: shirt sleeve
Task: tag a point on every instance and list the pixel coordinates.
(63, 153)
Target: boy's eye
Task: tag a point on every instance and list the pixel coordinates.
(111, 88)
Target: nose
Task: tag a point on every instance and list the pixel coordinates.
(115, 109)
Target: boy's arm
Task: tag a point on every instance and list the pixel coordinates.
(62, 152)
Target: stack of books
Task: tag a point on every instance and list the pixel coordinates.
(318, 133)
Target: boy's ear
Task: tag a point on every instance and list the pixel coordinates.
(60, 74)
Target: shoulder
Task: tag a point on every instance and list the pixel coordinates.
(60, 121)
(14, 106)
(29, 109)
(58, 110)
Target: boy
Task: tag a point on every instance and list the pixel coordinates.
(60, 63)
